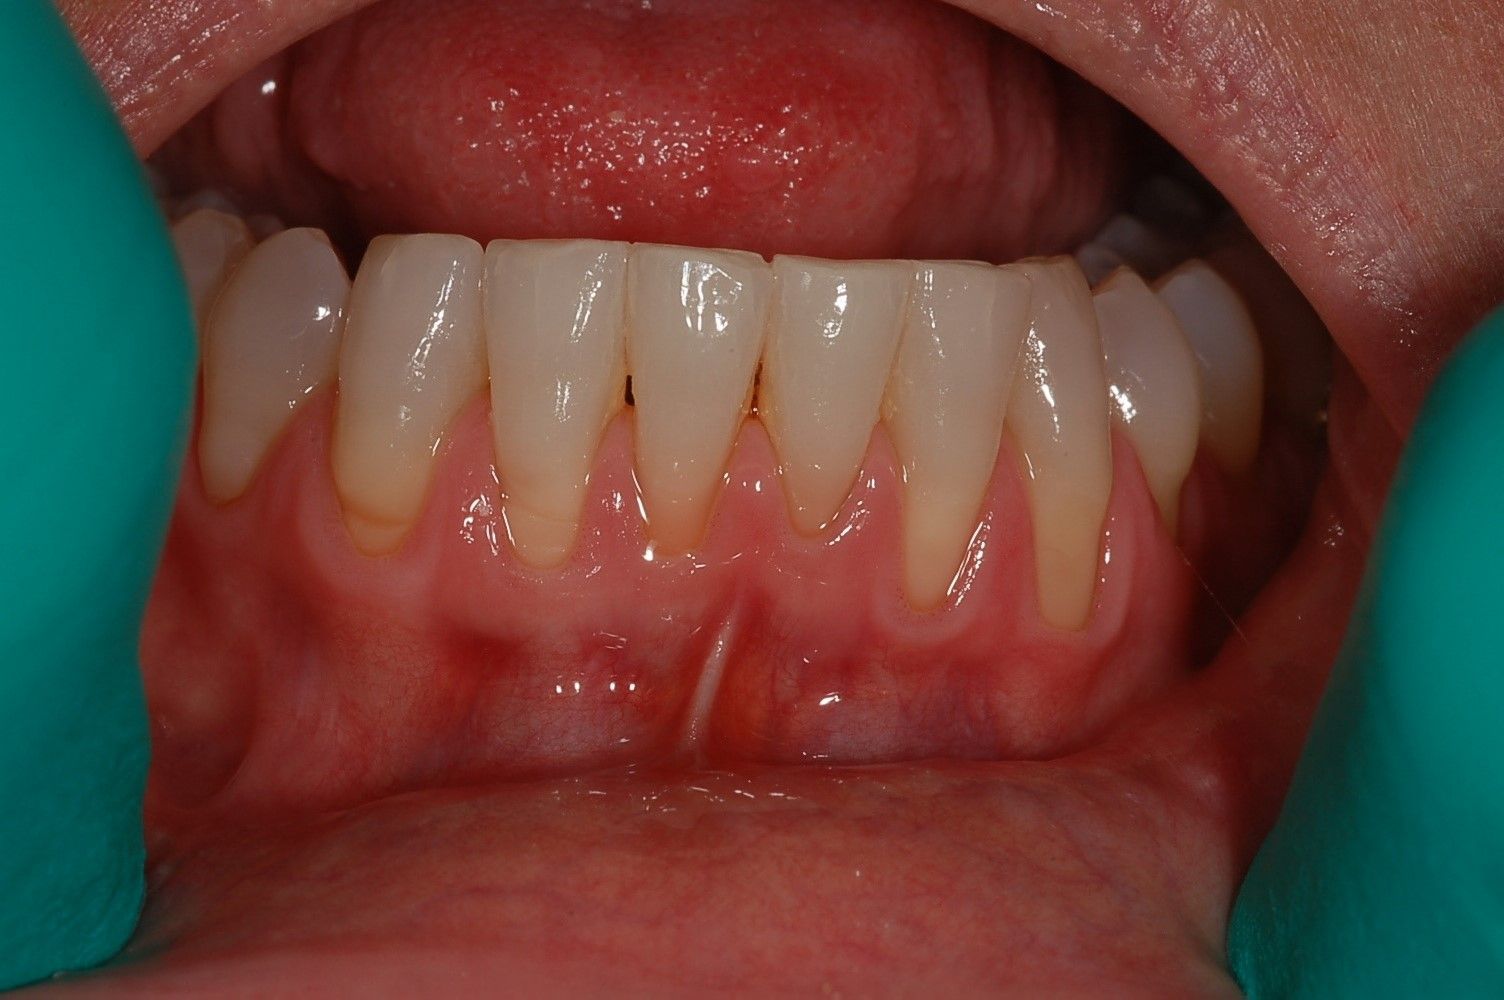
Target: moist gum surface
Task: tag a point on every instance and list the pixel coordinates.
(286, 668)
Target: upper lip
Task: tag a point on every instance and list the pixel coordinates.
(1218, 90)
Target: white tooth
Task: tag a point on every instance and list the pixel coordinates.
(414, 355)
(1226, 344)
(205, 198)
(944, 410)
(210, 244)
(263, 225)
(1098, 261)
(1058, 416)
(557, 345)
(1152, 383)
(271, 340)
(1142, 247)
(696, 320)
(831, 341)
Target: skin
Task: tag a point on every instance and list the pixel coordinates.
(1361, 143)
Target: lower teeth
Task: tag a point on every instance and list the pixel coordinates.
(948, 357)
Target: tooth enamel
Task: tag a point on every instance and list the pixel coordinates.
(271, 340)
(414, 355)
(1098, 261)
(1142, 247)
(208, 198)
(1058, 417)
(210, 244)
(1221, 334)
(557, 346)
(696, 321)
(944, 409)
(263, 225)
(831, 341)
(1152, 383)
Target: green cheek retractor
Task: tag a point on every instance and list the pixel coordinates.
(1384, 876)
(98, 355)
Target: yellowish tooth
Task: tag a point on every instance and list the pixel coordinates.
(1152, 383)
(944, 410)
(695, 321)
(1222, 335)
(210, 244)
(414, 355)
(271, 340)
(1058, 416)
(556, 339)
(831, 342)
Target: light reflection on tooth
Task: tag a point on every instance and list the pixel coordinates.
(1153, 384)
(831, 342)
(1058, 417)
(944, 409)
(270, 342)
(1231, 361)
(696, 321)
(556, 341)
(210, 244)
(414, 355)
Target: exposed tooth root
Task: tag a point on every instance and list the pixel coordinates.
(210, 244)
(556, 341)
(1058, 416)
(944, 410)
(696, 321)
(414, 355)
(1222, 336)
(1153, 384)
(271, 340)
(831, 342)
(1143, 248)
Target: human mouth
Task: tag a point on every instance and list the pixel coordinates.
(604, 622)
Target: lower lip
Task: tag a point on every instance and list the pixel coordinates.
(764, 880)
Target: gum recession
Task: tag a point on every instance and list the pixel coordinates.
(844, 129)
(270, 640)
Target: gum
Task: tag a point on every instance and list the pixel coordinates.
(287, 670)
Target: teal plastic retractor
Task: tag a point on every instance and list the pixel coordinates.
(98, 377)
(1384, 876)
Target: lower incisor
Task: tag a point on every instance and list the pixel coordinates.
(948, 356)
(414, 354)
(555, 336)
(696, 322)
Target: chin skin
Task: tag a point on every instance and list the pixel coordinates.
(1361, 143)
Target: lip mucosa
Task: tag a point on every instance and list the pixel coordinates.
(547, 709)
